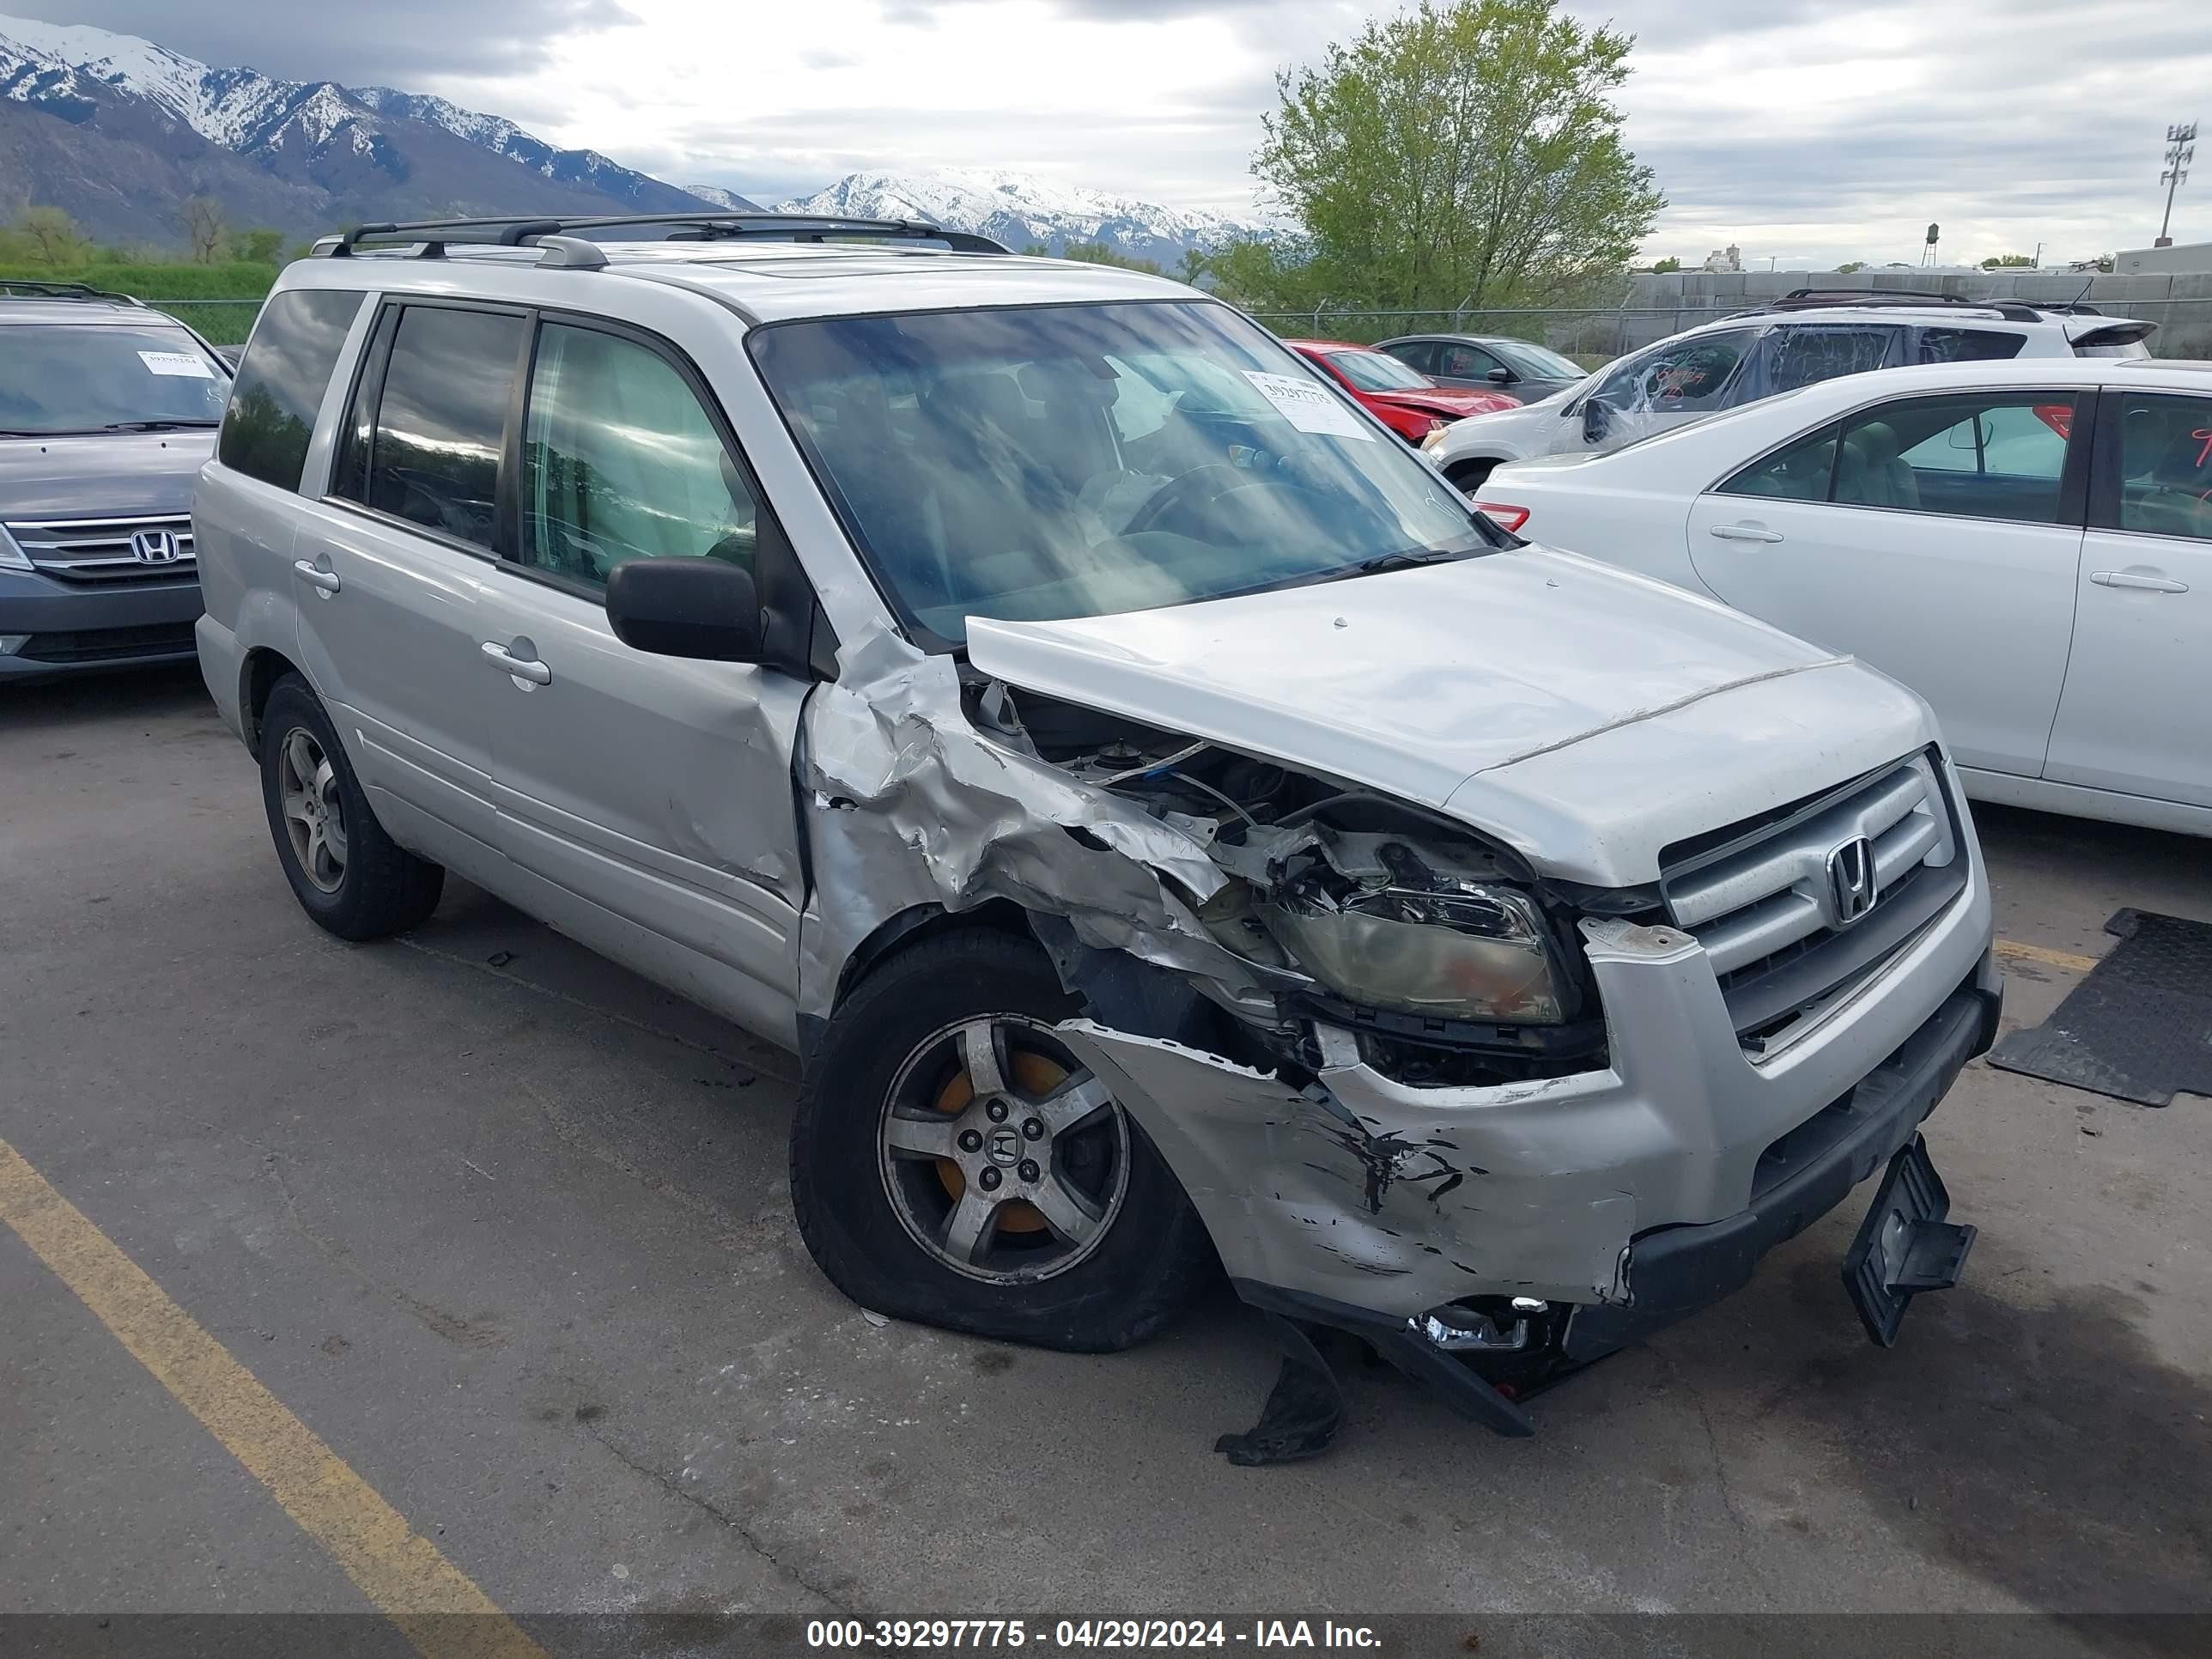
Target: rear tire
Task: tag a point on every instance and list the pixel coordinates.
(911, 1207)
(1470, 476)
(349, 876)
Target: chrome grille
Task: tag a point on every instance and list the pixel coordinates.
(105, 549)
(1784, 928)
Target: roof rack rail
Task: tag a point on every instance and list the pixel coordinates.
(435, 235)
(18, 289)
(1804, 298)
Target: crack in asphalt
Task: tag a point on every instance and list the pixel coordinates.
(745, 1534)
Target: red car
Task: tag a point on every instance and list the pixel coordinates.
(1404, 399)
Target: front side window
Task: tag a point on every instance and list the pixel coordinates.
(1536, 362)
(1686, 377)
(1378, 371)
(61, 378)
(620, 461)
(1468, 362)
(1969, 345)
(1980, 455)
(982, 465)
(1806, 356)
(2165, 465)
(280, 382)
(433, 451)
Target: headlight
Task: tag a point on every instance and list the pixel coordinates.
(1437, 430)
(1469, 950)
(12, 557)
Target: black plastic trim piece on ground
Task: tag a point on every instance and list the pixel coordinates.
(1457, 1383)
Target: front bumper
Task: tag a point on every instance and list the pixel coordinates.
(1374, 1195)
(75, 628)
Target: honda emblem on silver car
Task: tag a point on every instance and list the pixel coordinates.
(156, 546)
(1853, 886)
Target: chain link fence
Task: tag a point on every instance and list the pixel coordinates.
(1595, 335)
(1591, 335)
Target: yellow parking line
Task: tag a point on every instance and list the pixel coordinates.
(434, 1604)
(2066, 959)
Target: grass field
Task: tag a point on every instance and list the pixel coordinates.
(218, 300)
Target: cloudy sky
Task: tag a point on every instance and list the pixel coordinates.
(1806, 131)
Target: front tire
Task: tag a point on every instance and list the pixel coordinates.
(953, 1163)
(349, 876)
(1468, 476)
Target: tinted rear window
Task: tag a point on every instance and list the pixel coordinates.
(280, 383)
(1969, 345)
(442, 421)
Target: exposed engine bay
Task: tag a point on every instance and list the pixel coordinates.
(1450, 960)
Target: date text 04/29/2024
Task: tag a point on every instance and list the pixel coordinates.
(895, 1635)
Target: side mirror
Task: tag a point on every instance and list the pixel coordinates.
(705, 609)
(1594, 421)
(1502, 376)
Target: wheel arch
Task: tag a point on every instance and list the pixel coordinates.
(258, 675)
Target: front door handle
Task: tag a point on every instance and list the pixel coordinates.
(1743, 532)
(523, 668)
(315, 577)
(2132, 579)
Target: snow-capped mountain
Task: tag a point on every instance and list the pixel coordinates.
(1023, 210)
(87, 106)
(728, 200)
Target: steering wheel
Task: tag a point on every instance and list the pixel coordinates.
(1198, 489)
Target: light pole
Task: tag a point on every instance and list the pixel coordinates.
(2180, 149)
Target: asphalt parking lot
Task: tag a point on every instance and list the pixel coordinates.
(507, 1231)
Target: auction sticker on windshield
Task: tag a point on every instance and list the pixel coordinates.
(181, 364)
(1309, 406)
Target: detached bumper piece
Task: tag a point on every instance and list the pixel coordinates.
(1307, 1406)
(1904, 1246)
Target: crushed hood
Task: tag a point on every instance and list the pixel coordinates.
(1410, 681)
(108, 475)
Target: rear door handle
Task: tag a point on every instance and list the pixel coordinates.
(1744, 532)
(315, 577)
(523, 668)
(2130, 579)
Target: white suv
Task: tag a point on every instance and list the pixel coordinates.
(1807, 336)
(1168, 823)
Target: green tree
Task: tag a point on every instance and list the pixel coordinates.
(52, 237)
(1193, 266)
(202, 218)
(1849, 266)
(1098, 253)
(1464, 151)
(260, 247)
(2008, 262)
(1666, 266)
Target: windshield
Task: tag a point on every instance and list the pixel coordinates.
(65, 378)
(1372, 371)
(1063, 461)
(1536, 362)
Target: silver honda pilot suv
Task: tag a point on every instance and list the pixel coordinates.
(1171, 828)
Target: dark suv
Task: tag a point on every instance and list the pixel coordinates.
(107, 410)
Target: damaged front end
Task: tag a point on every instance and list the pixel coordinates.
(1494, 1121)
(1244, 936)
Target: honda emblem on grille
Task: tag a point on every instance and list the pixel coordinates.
(1853, 886)
(155, 546)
